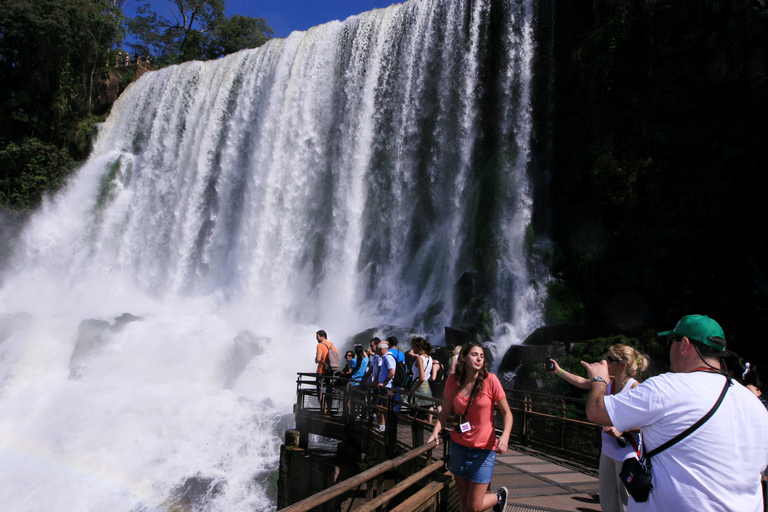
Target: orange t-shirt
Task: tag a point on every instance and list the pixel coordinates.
(482, 434)
(322, 355)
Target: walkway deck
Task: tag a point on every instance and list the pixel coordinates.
(540, 482)
(537, 481)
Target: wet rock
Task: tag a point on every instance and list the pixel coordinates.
(403, 335)
(123, 320)
(193, 493)
(92, 335)
(246, 346)
(431, 319)
(456, 337)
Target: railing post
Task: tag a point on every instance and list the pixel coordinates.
(562, 426)
(390, 434)
(526, 419)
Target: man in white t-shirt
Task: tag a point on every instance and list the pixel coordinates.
(718, 466)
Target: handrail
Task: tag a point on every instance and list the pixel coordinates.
(541, 420)
(400, 487)
(355, 481)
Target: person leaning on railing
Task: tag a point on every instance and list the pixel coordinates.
(625, 364)
(421, 369)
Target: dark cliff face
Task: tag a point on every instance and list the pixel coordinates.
(654, 186)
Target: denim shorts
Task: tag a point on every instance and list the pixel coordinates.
(473, 464)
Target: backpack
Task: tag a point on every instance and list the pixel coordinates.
(403, 375)
(440, 377)
(331, 363)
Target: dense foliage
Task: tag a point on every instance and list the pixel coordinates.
(200, 30)
(659, 164)
(49, 52)
(56, 57)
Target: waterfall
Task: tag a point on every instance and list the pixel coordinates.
(342, 178)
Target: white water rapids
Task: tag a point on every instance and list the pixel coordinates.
(337, 179)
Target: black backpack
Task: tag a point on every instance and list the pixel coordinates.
(403, 375)
(440, 377)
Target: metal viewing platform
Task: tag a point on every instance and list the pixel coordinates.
(550, 465)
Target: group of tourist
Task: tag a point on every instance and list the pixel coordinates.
(126, 59)
(692, 439)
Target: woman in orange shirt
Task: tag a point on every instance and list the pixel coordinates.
(472, 392)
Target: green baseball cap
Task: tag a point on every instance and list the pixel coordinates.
(700, 328)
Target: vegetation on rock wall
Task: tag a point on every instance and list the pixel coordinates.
(57, 62)
(656, 192)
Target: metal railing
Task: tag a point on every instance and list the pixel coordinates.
(550, 423)
(555, 424)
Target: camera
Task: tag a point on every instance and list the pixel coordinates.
(550, 364)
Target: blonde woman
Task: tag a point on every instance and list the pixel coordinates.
(625, 364)
(454, 360)
(472, 393)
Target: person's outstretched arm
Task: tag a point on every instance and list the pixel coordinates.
(579, 382)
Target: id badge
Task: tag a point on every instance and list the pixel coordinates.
(465, 427)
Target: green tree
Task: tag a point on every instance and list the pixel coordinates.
(237, 33)
(199, 30)
(50, 51)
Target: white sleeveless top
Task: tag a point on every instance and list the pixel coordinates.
(611, 447)
(427, 363)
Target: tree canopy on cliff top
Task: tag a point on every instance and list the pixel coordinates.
(199, 30)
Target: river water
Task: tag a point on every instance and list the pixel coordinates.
(342, 178)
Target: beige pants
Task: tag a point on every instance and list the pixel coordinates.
(613, 494)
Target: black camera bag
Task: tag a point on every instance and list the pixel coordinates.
(636, 474)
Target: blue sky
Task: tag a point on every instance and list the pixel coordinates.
(284, 16)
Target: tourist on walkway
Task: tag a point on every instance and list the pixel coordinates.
(471, 394)
(347, 371)
(385, 375)
(437, 382)
(454, 360)
(327, 359)
(625, 364)
(422, 370)
(715, 468)
(358, 365)
(746, 374)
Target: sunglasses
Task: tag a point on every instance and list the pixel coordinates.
(612, 359)
(673, 339)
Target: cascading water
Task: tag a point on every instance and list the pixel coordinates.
(342, 178)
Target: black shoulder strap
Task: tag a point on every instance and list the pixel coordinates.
(689, 430)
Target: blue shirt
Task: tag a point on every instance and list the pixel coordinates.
(387, 363)
(357, 373)
(399, 356)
